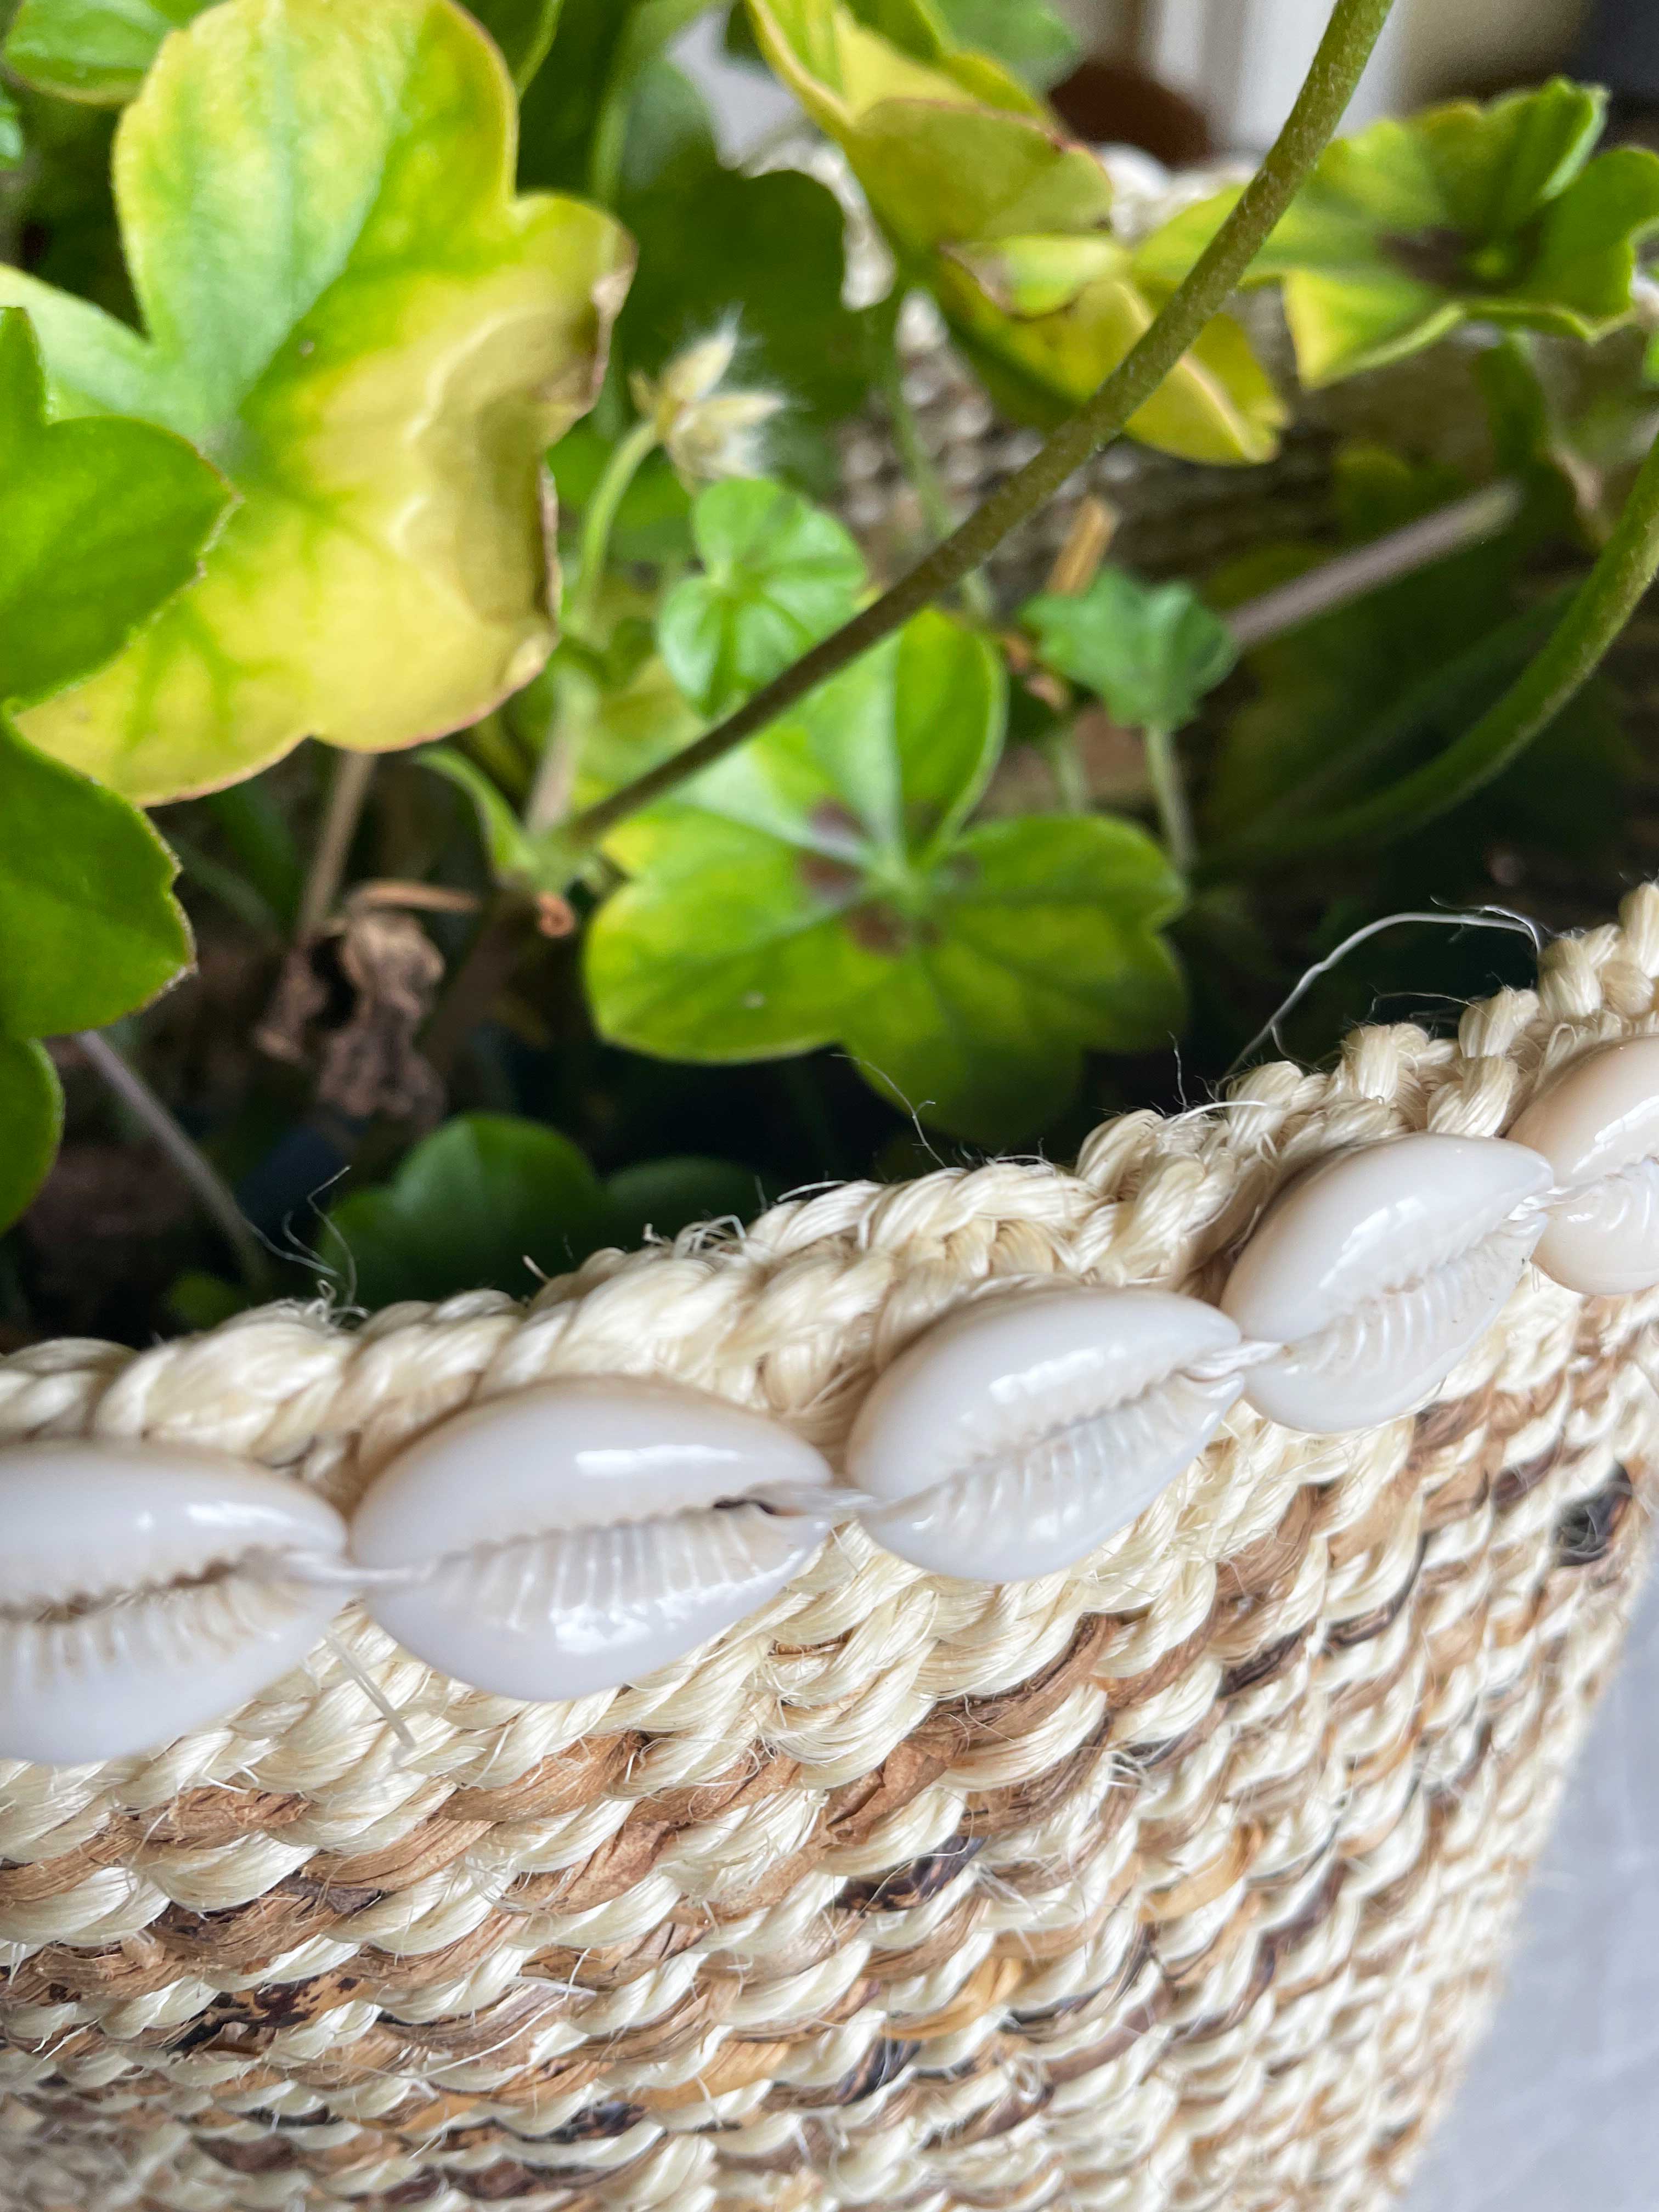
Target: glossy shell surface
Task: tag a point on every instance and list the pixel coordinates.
(1019, 1433)
(1598, 1127)
(583, 1532)
(1378, 1269)
(125, 1618)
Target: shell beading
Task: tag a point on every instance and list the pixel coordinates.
(569, 1536)
(566, 1538)
(1020, 1432)
(1378, 1270)
(1598, 1127)
(142, 1594)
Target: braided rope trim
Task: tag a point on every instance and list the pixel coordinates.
(796, 1317)
(1174, 1879)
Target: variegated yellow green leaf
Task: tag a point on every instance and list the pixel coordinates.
(1007, 223)
(1464, 213)
(347, 309)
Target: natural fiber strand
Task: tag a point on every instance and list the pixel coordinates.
(1177, 1880)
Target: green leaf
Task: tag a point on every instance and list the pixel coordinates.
(1352, 701)
(378, 376)
(13, 146)
(490, 1202)
(484, 1203)
(1048, 947)
(101, 521)
(1407, 229)
(1150, 651)
(96, 51)
(818, 885)
(716, 245)
(99, 51)
(985, 202)
(575, 116)
(661, 1197)
(778, 574)
(88, 921)
(31, 1122)
(1028, 36)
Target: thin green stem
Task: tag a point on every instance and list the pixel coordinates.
(567, 734)
(598, 521)
(216, 1195)
(347, 791)
(1343, 52)
(1065, 766)
(1170, 796)
(1596, 613)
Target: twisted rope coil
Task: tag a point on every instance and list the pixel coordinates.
(1174, 1880)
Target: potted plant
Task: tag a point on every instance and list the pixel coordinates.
(533, 910)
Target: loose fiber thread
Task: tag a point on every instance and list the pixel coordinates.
(1175, 1880)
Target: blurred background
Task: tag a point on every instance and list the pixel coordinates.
(1188, 78)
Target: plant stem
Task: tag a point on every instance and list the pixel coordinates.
(1169, 795)
(1343, 52)
(1351, 575)
(347, 790)
(1065, 766)
(217, 1198)
(598, 521)
(555, 774)
(1596, 613)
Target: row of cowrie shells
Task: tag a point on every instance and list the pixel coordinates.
(574, 1535)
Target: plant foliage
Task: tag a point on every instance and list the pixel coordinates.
(1495, 214)
(826, 885)
(376, 372)
(1008, 226)
(99, 522)
(377, 377)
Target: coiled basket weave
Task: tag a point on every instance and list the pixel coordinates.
(1180, 1880)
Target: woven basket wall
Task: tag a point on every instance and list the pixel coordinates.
(1180, 1880)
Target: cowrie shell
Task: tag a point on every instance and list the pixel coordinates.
(1019, 1433)
(1598, 1127)
(1377, 1270)
(139, 1596)
(581, 1532)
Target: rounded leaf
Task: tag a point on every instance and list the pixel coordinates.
(489, 1202)
(31, 1121)
(778, 574)
(379, 376)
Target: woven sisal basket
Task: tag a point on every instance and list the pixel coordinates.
(1180, 1880)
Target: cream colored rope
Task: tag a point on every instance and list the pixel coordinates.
(634, 1900)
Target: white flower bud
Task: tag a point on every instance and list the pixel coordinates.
(708, 433)
(719, 437)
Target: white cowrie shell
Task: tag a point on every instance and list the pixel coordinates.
(140, 1596)
(1598, 1127)
(1378, 1269)
(582, 1532)
(1020, 1432)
